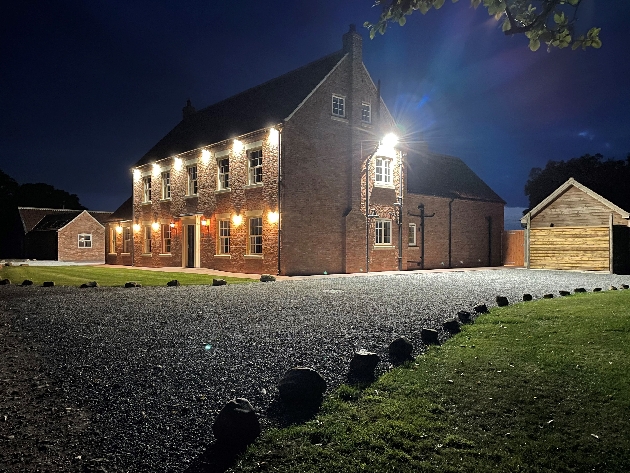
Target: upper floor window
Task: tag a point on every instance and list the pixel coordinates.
(383, 232)
(192, 180)
(366, 112)
(383, 171)
(411, 239)
(255, 167)
(223, 179)
(224, 237)
(146, 189)
(85, 240)
(166, 185)
(338, 106)
(126, 240)
(166, 238)
(255, 236)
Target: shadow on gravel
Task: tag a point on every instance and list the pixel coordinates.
(217, 458)
(283, 416)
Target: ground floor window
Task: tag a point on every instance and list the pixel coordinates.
(412, 234)
(85, 240)
(224, 237)
(112, 240)
(147, 239)
(126, 240)
(166, 238)
(383, 231)
(255, 236)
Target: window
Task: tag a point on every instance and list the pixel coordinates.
(126, 240)
(112, 240)
(366, 112)
(166, 238)
(255, 166)
(338, 106)
(192, 180)
(383, 174)
(85, 240)
(255, 236)
(224, 237)
(146, 248)
(166, 185)
(223, 180)
(146, 189)
(383, 232)
(412, 234)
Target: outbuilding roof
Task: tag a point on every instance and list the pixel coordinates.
(446, 176)
(34, 218)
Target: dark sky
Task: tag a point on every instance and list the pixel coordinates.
(88, 87)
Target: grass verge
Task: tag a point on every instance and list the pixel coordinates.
(77, 275)
(534, 387)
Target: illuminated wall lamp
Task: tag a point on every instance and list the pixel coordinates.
(118, 229)
(155, 226)
(273, 217)
(136, 227)
(237, 220)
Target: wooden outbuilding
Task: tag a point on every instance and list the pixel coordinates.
(575, 228)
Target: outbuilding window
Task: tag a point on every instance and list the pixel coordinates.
(85, 240)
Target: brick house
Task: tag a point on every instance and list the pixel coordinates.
(273, 180)
(63, 235)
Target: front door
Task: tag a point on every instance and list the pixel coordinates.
(190, 260)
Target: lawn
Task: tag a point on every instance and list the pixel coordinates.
(534, 387)
(77, 275)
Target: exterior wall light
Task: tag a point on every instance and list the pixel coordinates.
(273, 217)
(238, 146)
(386, 146)
(136, 227)
(177, 164)
(205, 156)
(118, 229)
(172, 224)
(205, 222)
(274, 137)
(137, 174)
(156, 169)
(237, 220)
(155, 226)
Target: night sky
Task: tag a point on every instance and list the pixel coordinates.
(88, 87)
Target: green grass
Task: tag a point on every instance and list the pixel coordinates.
(77, 275)
(534, 387)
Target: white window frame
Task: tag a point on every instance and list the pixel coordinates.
(224, 229)
(383, 232)
(383, 172)
(146, 189)
(191, 176)
(411, 236)
(85, 240)
(126, 240)
(255, 238)
(223, 175)
(147, 237)
(338, 106)
(112, 240)
(166, 185)
(166, 238)
(366, 112)
(255, 172)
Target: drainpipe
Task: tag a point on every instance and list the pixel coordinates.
(278, 191)
(450, 231)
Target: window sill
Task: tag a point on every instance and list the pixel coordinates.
(146, 202)
(384, 247)
(192, 196)
(385, 186)
(123, 254)
(226, 256)
(339, 119)
(165, 254)
(147, 254)
(168, 199)
(253, 186)
(412, 246)
(112, 253)
(223, 191)
(253, 256)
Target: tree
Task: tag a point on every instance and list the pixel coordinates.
(608, 178)
(542, 21)
(45, 195)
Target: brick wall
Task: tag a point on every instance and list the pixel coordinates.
(68, 244)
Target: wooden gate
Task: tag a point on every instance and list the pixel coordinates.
(514, 248)
(585, 248)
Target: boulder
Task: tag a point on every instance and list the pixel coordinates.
(502, 301)
(27, 282)
(429, 336)
(4, 282)
(302, 387)
(236, 424)
(548, 296)
(564, 293)
(48, 283)
(481, 309)
(612, 288)
(579, 289)
(89, 284)
(267, 278)
(464, 316)
(132, 284)
(597, 289)
(400, 350)
(219, 282)
(362, 365)
(451, 325)
(23, 264)
(624, 286)
(527, 297)
(173, 283)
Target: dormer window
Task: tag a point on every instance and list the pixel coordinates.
(338, 106)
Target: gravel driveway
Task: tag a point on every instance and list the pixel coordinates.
(113, 379)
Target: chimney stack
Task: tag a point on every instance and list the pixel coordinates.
(188, 110)
(353, 43)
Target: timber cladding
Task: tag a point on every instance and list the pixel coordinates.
(585, 248)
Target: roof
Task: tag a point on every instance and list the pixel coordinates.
(124, 212)
(260, 107)
(31, 217)
(446, 176)
(55, 221)
(562, 189)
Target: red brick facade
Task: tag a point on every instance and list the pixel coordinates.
(73, 247)
(314, 180)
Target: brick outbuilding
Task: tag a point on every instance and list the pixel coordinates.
(295, 176)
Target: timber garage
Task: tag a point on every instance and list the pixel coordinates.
(575, 228)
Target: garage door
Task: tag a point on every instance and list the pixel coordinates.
(586, 248)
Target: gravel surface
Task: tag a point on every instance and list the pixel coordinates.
(113, 379)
